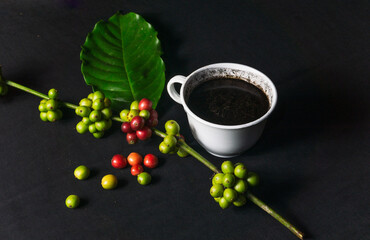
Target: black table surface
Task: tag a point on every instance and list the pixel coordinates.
(313, 157)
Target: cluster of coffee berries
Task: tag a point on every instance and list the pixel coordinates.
(230, 186)
(96, 114)
(49, 108)
(136, 161)
(169, 143)
(138, 120)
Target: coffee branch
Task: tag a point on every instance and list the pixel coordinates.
(181, 145)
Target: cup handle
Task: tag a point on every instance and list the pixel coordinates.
(171, 87)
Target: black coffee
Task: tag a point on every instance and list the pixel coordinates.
(227, 101)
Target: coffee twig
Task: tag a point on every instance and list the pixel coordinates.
(181, 144)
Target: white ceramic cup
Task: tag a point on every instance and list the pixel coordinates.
(223, 140)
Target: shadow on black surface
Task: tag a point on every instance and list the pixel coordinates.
(276, 195)
(155, 179)
(93, 173)
(83, 202)
(309, 102)
(70, 4)
(161, 161)
(279, 191)
(27, 76)
(312, 104)
(170, 43)
(122, 182)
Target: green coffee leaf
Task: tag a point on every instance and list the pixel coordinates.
(121, 58)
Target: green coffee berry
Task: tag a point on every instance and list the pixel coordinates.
(100, 125)
(224, 203)
(98, 134)
(98, 95)
(72, 201)
(81, 127)
(134, 105)
(107, 102)
(95, 116)
(92, 128)
(59, 114)
(52, 116)
(90, 96)
(124, 115)
(240, 201)
(240, 171)
(53, 93)
(85, 102)
(106, 113)
(44, 116)
(163, 148)
(83, 111)
(230, 194)
(253, 179)
(172, 127)
(51, 104)
(170, 141)
(216, 190)
(218, 178)
(42, 107)
(228, 180)
(182, 153)
(133, 113)
(86, 120)
(241, 186)
(144, 114)
(98, 104)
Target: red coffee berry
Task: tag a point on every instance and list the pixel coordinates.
(151, 122)
(137, 123)
(134, 158)
(131, 138)
(144, 133)
(153, 113)
(145, 104)
(126, 127)
(136, 170)
(119, 161)
(150, 161)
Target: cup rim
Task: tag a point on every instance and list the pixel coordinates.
(232, 66)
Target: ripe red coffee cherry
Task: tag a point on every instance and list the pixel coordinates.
(126, 127)
(134, 158)
(136, 170)
(137, 123)
(119, 161)
(150, 161)
(144, 133)
(153, 113)
(152, 122)
(131, 138)
(145, 104)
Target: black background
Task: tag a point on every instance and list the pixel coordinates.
(313, 157)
